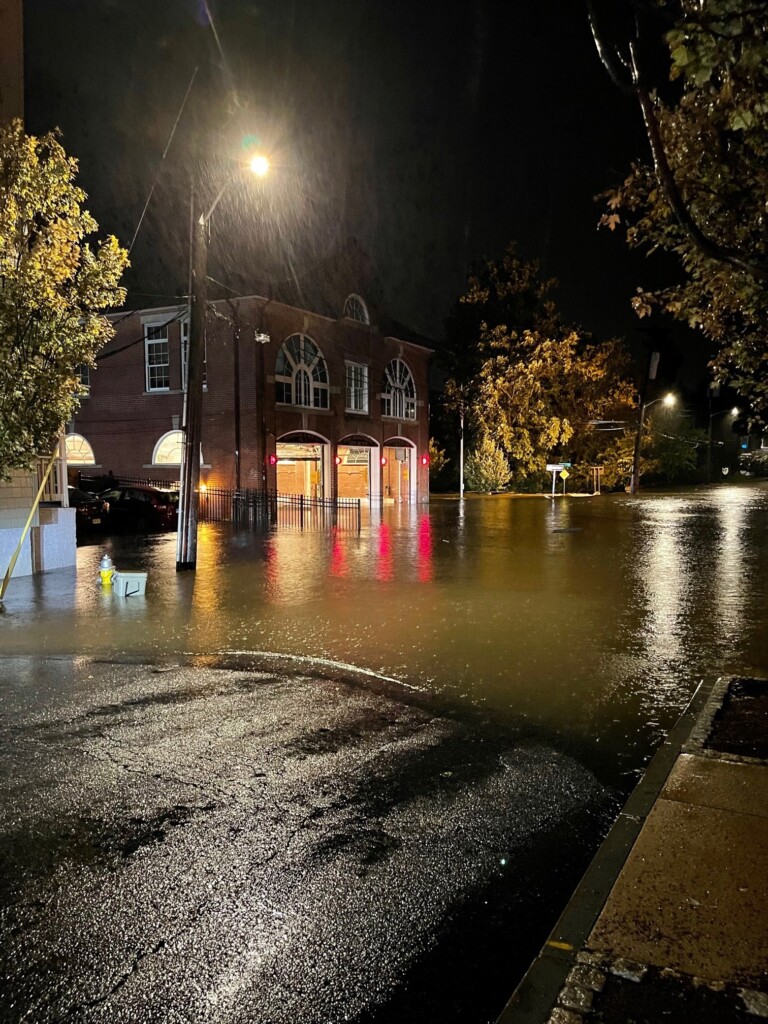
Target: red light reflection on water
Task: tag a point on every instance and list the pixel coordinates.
(384, 570)
(425, 549)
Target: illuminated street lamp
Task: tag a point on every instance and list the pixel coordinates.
(733, 413)
(634, 484)
(189, 497)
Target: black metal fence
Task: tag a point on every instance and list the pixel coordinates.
(255, 508)
(251, 508)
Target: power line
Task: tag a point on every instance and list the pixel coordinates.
(162, 158)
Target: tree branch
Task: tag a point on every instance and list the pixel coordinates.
(611, 59)
(672, 193)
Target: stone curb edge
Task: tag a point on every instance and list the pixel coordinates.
(536, 994)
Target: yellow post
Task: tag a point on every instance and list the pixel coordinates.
(25, 531)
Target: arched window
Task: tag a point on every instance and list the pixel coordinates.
(79, 452)
(168, 449)
(301, 376)
(398, 392)
(356, 309)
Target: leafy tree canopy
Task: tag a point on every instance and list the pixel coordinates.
(53, 289)
(704, 196)
(526, 381)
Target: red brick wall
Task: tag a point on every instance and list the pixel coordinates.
(123, 422)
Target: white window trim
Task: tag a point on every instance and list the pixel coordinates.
(296, 367)
(349, 364)
(394, 393)
(156, 341)
(353, 296)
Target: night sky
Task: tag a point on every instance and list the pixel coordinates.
(430, 133)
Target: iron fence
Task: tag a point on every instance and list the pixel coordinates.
(251, 507)
(254, 508)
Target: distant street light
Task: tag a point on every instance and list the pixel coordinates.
(634, 483)
(189, 497)
(734, 412)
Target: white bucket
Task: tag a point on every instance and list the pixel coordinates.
(129, 584)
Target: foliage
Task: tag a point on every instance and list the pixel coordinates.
(53, 287)
(487, 468)
(705, 197)
(437, 460)
(536, 384)
(675, 446)
(537, 395)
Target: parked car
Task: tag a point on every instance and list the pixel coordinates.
(140, 509)
(91, 511)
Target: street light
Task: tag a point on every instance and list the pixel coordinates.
(734, 412)
(634, 483)
(189, 498)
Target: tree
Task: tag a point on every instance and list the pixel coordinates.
(487, 467)
(535, 384)
(704, 196)
(541, 395)
(53, 287)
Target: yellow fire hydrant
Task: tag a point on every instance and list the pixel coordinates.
(106, 571)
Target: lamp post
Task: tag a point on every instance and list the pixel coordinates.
(634, 484)
(189, 497)
(734, 412)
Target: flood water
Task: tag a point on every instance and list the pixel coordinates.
(591, 619)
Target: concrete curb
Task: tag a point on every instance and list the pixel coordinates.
(535, 996)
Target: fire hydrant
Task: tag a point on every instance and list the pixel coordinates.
(106, 571)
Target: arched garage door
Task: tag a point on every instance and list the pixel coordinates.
(302, 464)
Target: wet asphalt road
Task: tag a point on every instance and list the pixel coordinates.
(241, 843)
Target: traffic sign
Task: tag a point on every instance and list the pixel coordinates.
(564, 474)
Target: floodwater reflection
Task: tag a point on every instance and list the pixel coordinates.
(592, 618)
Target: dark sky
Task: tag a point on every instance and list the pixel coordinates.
(432, 133)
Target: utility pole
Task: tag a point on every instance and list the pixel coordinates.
(653, 366)
(186, 540)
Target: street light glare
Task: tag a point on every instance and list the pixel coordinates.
(259, 165)
(669, 399)
(735, 411)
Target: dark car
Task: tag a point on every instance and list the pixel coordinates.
(91, 511)
(141, 509)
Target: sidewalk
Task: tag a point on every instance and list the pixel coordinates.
(678, 933)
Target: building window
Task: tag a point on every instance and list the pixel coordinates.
(83, 374)
(357, 387)
(398, 398)
(355, 309)
(184, 353)
(301, 376)
(168, 449)
(78, 451)
(156, 360)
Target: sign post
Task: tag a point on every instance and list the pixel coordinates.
(558, 467)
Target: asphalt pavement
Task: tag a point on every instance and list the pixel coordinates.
(243, 842)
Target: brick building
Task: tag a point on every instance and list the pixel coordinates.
(294, 401)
